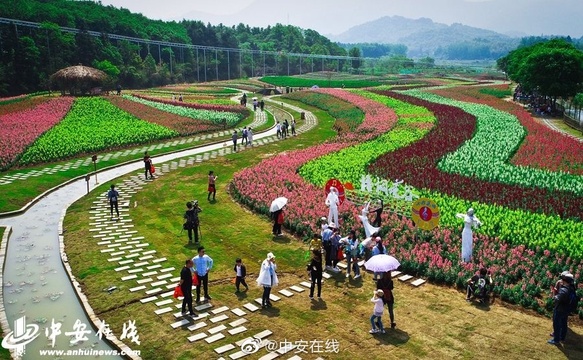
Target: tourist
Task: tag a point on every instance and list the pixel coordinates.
(234, 138)
(315, 269)
(148, 165)
(562, 308)
(467, 236)
(262, 104)
(202, 264)
(375, 318)
(327, 244)
(244, 136)
(212, 189)
(191, 221)
(316, 243)
(278, 129)
(267, 278)
(277, 222)
(478, 286)
(241, 272)
(351, 251)
(186, 287)
(255, 104)
(113, 197)
(293, 127)
(336, 252)
(250, 137)
(386, 285)
(378, 249)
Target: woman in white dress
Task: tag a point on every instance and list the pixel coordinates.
(467, 235)
(368, 228)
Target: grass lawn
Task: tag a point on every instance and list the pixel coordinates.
(433, 322)
(19, 193)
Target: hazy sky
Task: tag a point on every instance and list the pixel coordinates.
(524, 17)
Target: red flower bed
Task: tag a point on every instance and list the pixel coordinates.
(20, 129)
(23, 104)
(239, 109)
(181, 124)
(542, 148)
(417, 165)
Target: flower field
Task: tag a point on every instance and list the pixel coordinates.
(524, 241)
(92, 124)
(20, 128)
(213, 113)
(541, 148)
(181, 124)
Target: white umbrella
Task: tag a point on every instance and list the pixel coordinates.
(277, 204)
(382, 263)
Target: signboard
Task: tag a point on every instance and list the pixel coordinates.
(425, 213)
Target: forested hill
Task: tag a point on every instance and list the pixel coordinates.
(29, 56)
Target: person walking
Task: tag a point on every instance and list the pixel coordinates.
(186, 287)
(378, 249)
(244, 136)
(375, 318)
(277, 222)
(262, 104)
(386, 285)
(278, 129)
(148, 165)
(267, 278)
(113, 196)
(293, 127)
(191, 221)
(351, 250)
(202, 264)
(315, 268)
(212, 189)
(234, 138)
(250, 137)
(336, 253)
(241, 272)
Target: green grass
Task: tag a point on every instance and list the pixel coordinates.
(499, 93)
(20, 192)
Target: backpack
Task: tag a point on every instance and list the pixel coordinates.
(574, 299)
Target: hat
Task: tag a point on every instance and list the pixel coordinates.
(323, 218)
(270, 256)
(567, 274)
(378, 238)
(379, 293)
(332, 225)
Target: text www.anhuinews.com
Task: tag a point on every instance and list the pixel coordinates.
(86, 352)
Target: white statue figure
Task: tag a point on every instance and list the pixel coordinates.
(368, 228)
(332, 201)
(467, 235)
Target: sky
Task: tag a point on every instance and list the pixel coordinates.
(333, 17)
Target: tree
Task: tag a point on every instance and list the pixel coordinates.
(355, 53)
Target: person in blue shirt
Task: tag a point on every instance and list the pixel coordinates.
(202, 263)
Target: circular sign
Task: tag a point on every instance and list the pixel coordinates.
(425, 213)
(338, 185)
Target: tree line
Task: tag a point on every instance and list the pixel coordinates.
(28, 56)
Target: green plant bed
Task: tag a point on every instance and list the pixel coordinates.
(19, 192)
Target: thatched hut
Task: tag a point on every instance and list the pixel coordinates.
(78, 79)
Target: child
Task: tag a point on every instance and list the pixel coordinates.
(377, 299)
(241, 272)
(316, 243)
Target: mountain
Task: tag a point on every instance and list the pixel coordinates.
(423, 37)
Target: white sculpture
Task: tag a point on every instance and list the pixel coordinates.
(467, 235)
(332, 201)
(368, 228)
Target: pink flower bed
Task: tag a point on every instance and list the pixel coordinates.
(20, 129)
